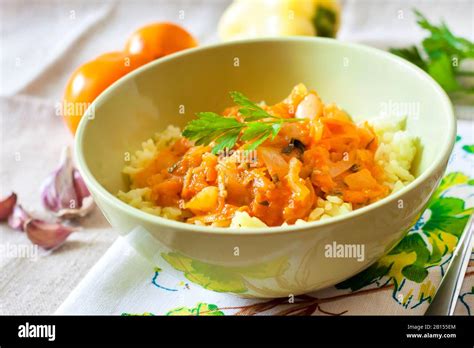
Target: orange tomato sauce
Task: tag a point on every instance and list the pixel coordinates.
(326, 154)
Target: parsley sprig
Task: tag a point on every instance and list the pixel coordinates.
(258, 125)
(441, 56)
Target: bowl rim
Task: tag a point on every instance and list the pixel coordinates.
(99, 190)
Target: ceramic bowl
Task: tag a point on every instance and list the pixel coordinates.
(279, 261)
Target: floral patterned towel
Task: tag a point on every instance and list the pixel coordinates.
(402, 282)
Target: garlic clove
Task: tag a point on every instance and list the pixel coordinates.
(69, 214)
(80, 187)
(48, 235)
(18, 218)
(58, 190)
(7, 205)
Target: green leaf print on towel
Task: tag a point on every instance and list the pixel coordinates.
(433, 237)
(450, 180)
(468, 148)
(200, 309)
(220, 278)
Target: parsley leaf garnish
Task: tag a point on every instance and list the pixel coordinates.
(258, 125)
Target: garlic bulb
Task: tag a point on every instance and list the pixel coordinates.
(64, 191)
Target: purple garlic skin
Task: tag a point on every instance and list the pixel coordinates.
(7, 205)
(80, 187)
(64, 190)
(58, 189)
(48, 235)
(18, 218)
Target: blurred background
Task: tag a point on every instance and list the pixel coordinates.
(42, 42)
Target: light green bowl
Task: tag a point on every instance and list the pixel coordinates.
(276, 261)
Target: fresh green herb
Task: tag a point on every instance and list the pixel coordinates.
(411, 54)
(257, 126)
(441, 56)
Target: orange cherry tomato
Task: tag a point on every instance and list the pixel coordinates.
(91, 79)
(158, 40)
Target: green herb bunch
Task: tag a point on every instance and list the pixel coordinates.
(442, 55)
